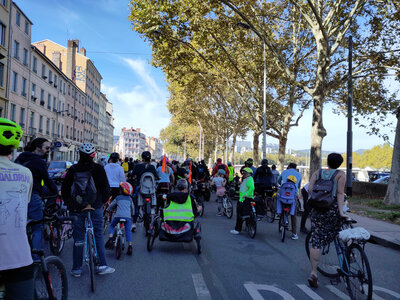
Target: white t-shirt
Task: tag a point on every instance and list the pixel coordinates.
(15, 193)
(218, 181)
(115, 174)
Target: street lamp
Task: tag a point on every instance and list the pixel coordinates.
(246, 26)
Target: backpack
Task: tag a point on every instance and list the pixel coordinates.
(221, 167)
(287, 193)
(321, 195)
(125, 166)
(83, 190)
(147, 184)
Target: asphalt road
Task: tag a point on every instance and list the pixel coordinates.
(230, 267)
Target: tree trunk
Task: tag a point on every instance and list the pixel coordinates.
(232, 148)
(281, 153)
(318, 133)
(393, 190)
(216, 150)
(256, 136)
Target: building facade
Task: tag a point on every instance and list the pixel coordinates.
(4, 54)
(131, 143)
(154, 146)
(109, 127)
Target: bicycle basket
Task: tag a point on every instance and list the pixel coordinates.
(358, 234)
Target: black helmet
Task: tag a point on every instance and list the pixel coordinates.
(114, 156)
(146, 155)
(250, 161)
(264, 162)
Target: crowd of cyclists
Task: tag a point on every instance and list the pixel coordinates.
(117, 185)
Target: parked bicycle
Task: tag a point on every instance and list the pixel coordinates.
(345, 258)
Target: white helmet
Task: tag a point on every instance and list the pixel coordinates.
(87, 148)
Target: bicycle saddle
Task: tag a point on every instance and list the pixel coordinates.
(122, 220)
(88, 208)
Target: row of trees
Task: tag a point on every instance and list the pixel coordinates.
(215, 67)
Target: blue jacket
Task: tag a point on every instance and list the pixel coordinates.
(286, 173)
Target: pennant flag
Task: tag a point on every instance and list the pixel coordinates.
(164, 164)
(190, 173)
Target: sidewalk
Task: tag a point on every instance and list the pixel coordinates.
(382, 233)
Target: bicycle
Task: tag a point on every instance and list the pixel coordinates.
(120, 238)
(349, 262)
(284, 221)
(227, 206)
(270, 201)
(90, 256)
(251, 220)
(50, 277)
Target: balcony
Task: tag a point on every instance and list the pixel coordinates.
(41, 102)
(32, 131)
(33, 98)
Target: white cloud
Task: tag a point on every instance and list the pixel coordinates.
(143, 106)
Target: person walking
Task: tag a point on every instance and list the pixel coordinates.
(102, 192)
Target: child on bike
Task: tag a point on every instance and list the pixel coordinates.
(125, 210)
(288, 196)
(219, 181)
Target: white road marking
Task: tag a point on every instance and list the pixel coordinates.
(338, 293)
(253, 289)
(200, 286)
(378, 288)
(313, 295)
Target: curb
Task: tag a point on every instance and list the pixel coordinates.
(374, 239)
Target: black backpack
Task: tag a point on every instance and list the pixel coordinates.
(221, 167)
(321, 196)
(83, 190)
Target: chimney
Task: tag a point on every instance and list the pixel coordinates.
(73, 46)
(83, 51)
(56, 59)
(42, 48)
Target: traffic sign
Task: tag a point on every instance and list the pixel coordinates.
(58, 144)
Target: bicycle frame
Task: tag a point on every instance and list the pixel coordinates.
(89, 228)
(341, 251)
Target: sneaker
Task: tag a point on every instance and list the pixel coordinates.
(219, 214)
(129, 252)
(313, 281)
(304, 230)
(295, 236)
(133, 227)
(233, 231)
(76, 273)
(102, 270)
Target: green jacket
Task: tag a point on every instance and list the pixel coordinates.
(231, 173)
(246, 189)
(179, 212)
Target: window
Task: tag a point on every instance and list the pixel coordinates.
(1, 74)
(18, 18)
(41, 124)
(67, 108)
(25, 59)
(34, 67)
(48, 126)
(33, 90)
(69, 89)
(48, 101)
(54, 104)
(42, 97)
(55, 80)
(64, 88)
(53, 127)
(67, 131)
(26, 27)
(15, 82)
(22, 117)
(50, 77)
(4, 3)
(16, 50)
(3, 34)
(23, 91)
(13, 112)
(32, 121)
(62, 131)
(44, 72)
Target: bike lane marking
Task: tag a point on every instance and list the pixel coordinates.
(200, 286)
(337, 292)
(313, 295)
(390, 292)
(253, 289)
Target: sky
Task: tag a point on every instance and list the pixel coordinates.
(137, 90)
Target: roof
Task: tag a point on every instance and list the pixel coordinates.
(22, 12)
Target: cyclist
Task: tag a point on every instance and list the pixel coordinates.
(115, 174)
(16, 268)
(166, 175)
(124, 211)
(34, 158)
(245, 196)
(263, 178)
(248, 164)
(219, 181)
(203, 175)
(125, 165)
(220, 166)
(86, 154)
(276, 174)
(289, 199)
(326, 224)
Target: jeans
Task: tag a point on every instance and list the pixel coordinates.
(79, 237)
(35, 212)
(135, 204)
(307, 209)
(128, 232)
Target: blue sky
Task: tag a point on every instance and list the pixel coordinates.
(137, 90)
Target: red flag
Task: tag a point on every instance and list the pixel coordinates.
(164, 164)
(190, 173)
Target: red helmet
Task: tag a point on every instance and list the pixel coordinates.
(126, 188)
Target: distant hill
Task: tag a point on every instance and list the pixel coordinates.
(360, 151)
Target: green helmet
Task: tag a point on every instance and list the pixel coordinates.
(10, 133)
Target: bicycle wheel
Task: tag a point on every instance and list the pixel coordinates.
(90, 255)
(198, 244)
(270, 211)
(56, 279)
(359, 280)
(229, 208)
(201, 203)
(251, 226)
(282, 226)
(152, 235)
(328, 264)
(56, 243)
(118, 247)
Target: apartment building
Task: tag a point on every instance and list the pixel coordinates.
(19, 56)
(82, 71)
(4, 46)
(154, 146)
(109, 128)
(131, 143)
(103, 125)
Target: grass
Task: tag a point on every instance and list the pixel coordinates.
(375, 208)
